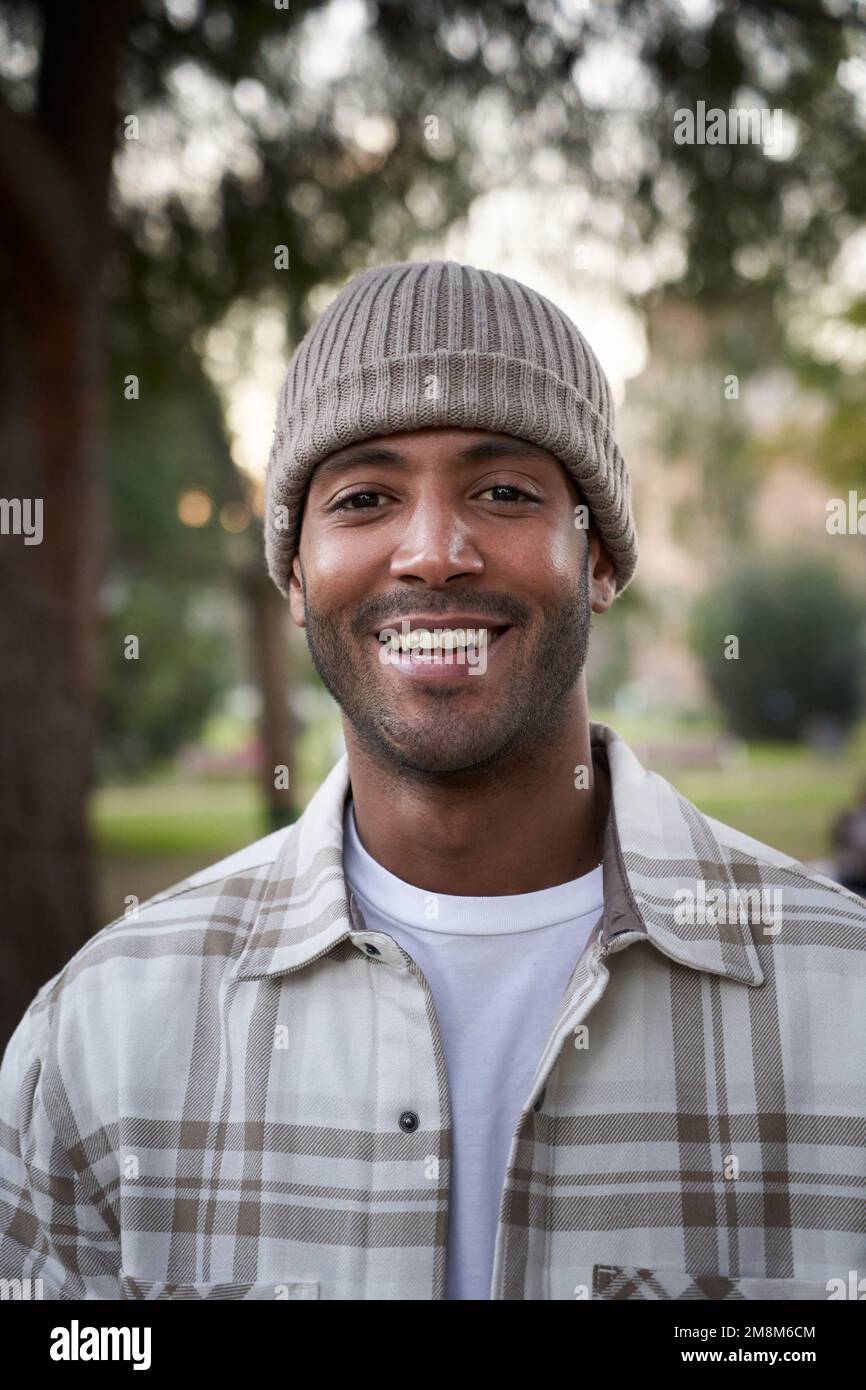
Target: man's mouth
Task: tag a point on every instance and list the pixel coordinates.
(432, 643)
(448, 647)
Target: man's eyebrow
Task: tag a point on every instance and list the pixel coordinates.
(370, 453)
(478, 452)
(501, 448)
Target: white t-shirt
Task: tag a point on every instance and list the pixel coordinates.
(497, 969)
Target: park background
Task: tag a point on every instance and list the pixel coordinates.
(183, 189)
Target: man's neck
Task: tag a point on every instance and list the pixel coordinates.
(521, 832)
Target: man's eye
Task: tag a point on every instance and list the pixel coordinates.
(509, 487)
(342, 503)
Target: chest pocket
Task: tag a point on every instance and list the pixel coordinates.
(275, 1290)
(632, 1281)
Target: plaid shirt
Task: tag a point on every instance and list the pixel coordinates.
(241, 1092)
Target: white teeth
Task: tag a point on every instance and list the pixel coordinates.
(446, 640)
(426, 642)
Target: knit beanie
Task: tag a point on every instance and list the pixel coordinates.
(422, 344)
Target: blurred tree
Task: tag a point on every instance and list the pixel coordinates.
(153, 695)
(55, 168)
(835, 445)
(793, 674)
(167, 444)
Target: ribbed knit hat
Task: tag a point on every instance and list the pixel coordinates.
(421, 344)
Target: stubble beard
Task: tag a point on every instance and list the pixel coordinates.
(528, 711)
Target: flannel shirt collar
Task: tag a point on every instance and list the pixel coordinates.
(655, 844)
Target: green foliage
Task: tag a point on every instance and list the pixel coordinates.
(169, 441)
(165, 582)
(295, 175)
(801, 669)
(836, 448)
(150, 705)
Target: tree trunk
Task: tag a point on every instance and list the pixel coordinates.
(267, 615)
(54, 180)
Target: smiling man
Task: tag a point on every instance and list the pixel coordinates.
(500, 1016)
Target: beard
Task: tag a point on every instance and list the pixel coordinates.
(448, 734)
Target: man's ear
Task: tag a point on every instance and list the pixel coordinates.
(602, 573)
(297, 606)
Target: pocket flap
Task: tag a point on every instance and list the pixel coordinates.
(632, 1281)
(131, 1286)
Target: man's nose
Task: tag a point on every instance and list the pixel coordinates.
(436, 545)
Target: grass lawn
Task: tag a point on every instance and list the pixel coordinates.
(152, 836)
(786, 795)
(791, 807)
(165, 818)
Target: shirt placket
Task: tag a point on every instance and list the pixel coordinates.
(426, 1131)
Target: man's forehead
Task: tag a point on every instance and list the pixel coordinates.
(462, 446)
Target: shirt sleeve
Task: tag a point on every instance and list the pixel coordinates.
(51, 1234)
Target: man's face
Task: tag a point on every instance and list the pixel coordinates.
(448, 528)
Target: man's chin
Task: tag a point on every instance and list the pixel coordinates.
(445, 750)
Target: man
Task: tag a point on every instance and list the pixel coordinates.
(502, 1015)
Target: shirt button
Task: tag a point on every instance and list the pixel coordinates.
(371, 949)
(409, 1121)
